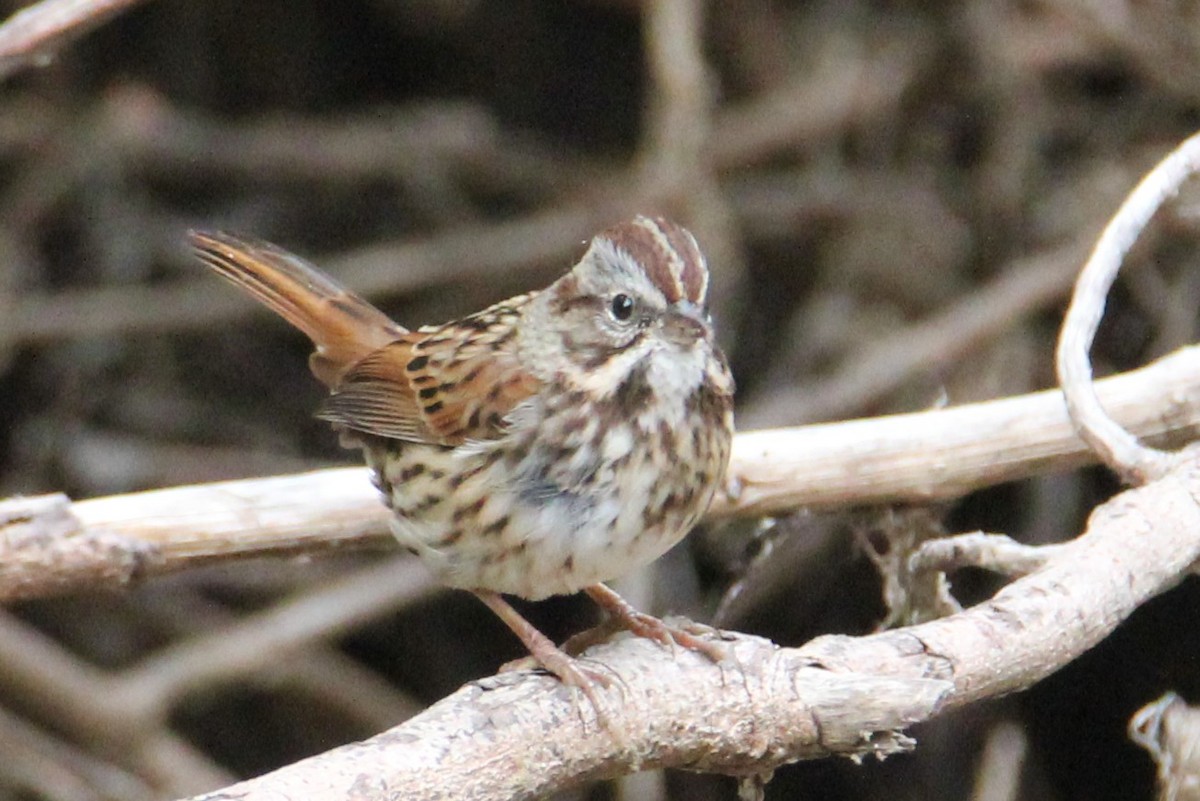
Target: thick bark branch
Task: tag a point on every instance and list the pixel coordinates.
(765, 706)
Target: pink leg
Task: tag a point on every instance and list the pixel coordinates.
(548, 655)
(651, 627)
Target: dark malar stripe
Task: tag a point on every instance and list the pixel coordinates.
(600, 355)
(709, 404)
(633, 395)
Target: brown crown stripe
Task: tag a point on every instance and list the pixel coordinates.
(693, 273)
(668, 254)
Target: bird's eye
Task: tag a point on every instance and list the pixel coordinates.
(622, 307)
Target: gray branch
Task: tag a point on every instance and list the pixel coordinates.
(523, 735)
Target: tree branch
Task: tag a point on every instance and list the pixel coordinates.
(764, 707)
(48, 545)
(1118, 448)
(31, 36)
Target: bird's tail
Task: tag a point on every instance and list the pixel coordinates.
(343, 327)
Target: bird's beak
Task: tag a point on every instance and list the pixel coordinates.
(685, 323)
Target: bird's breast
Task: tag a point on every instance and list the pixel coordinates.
(588, 493)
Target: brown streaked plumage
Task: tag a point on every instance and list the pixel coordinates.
(543, 445)
(442, 386)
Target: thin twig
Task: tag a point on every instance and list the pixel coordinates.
(846, 84)
(995, 552)
(1116, 447)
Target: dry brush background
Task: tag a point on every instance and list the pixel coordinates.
(895, 198)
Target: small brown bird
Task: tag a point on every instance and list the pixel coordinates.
(544, 445)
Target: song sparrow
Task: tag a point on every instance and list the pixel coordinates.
(541, 446)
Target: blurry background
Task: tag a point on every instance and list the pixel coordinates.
(894, 198)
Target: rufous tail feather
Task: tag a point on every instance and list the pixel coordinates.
(343, 327)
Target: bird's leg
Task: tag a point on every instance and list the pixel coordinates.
(651, 627)
(548, 655)
(577, 643)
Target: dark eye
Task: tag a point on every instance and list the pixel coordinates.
(622, 307)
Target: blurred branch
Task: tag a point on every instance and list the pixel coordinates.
(394, 267)
(545, 236)
(86, 701)
(1169, 730)
(998, 777)
(45, 767)
(673, 159)
(153, 135)
(847, 84)
(126, 713)
(279, 648)
(1016, 291)
(31, 37)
